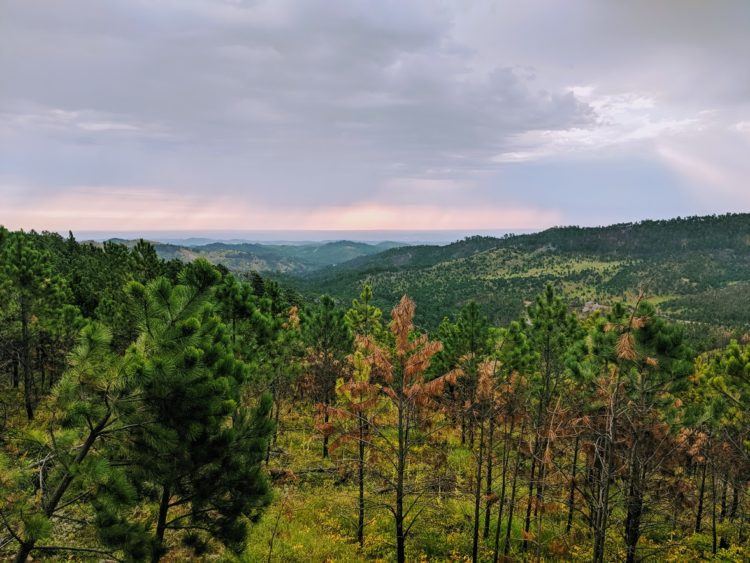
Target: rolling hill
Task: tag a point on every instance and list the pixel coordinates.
(696, 269)
(285, 258)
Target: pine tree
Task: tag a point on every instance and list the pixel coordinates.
(74, 465)
(194, 445)
(330, 342)
(553, 333)
(236, 303)
(36, 292)
(146, 263)
(358, 396)
(401, 363)
(363, 318)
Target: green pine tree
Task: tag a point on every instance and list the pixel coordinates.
(194, 445)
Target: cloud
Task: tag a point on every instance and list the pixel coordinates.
(136, 208)
(621, 121)
(279, 104)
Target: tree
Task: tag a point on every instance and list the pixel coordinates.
(193, 444)
(31, 285)
(146, 263)
(363, 318)
(466, 343)
(401, 365)
(73, 467)
(283, 353)
(512, 359)
(554, 335)
(653, 363)
(236, 302)
(359, 396)
(358, 399)
(329, 341)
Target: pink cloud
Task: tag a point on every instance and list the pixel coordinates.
(143, 208)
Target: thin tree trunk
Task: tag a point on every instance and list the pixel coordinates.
(735, 501)
(725, 485)
(26, 360)
(400, 470)
(605, 466)
(276, 417)
(572, 495)
(14, 379)
(527, 522)
(276, 406)
(361, 475)
(40, 364)
(463, 428)
(478, 494)
(161, 525)
(541, 476)
(701, 493)
(325, 434)
(713, 510)
(503, 481)
(488, 484)
(634, 507)
(512, 504)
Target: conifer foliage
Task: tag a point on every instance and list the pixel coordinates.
(155, 410)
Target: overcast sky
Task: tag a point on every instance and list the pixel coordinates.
(326, 114)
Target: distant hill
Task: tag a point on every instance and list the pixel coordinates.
(696, 269)
(291, 258)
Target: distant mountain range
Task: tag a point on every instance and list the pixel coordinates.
(695, 269)
(280, 258)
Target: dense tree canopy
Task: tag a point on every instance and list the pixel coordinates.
(158, 409)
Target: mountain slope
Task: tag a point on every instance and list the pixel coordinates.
(291, 258)
(696, 269)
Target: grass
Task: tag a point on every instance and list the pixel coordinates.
(313, 516)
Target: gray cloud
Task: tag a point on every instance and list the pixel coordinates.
(323, 103)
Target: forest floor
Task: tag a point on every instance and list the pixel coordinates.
(313, 517)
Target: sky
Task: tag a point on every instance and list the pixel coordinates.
(196, 115)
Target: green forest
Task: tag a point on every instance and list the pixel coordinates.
(572, 395)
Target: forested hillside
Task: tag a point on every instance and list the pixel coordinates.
(694, 269)
(155, 409)
(288, 258)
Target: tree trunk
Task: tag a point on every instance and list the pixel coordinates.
(14, 378)
(503, 482)
(400, 470)
(23, 552)
(527, 522)
(276, 417)
(713, 510)
(512, 504)
(599, 511)
(488, 484)
(735, 501)
(701, 493)
(26, 360)
(572, 495)
(478, 495)
(276, 406)
(325, 434)
(463, 428)
(634, 507)
(605, 465)
(161, 525)
(40, 364)
(361, 475)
